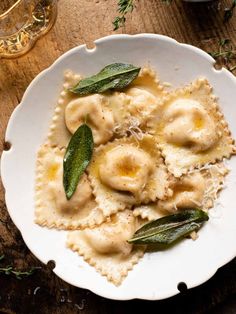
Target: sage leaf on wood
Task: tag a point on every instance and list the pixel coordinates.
(170, 228)
(77, 157)
(113, 76)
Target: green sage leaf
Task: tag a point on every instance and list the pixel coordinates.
(77, 157)
(113, 76)
(170, 228)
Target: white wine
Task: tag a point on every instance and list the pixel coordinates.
(21, 25)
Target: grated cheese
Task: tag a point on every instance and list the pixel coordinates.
(130, 127)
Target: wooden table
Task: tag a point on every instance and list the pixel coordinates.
(81, 22)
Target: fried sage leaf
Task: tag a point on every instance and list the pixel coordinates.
(113, 76)
(77, 157)
(170, 228)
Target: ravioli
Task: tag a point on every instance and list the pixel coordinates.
(156, 153)
(52, 209)
(95, 112)
(142, 104)
(103, 113)
(141, 98)
(106, 248)
(59, 135)
(118, 104)
(191, 129)
(187, 192)
(198, 189)
(149, 211)
(127, 172)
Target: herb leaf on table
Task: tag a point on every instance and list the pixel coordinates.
(18, 274)
(225, 55)
(124, 7)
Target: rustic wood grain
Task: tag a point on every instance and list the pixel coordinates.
(82, 22)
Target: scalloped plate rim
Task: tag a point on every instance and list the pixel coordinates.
(8, 138)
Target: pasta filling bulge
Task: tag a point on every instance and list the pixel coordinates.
(190, 129)
(197, 189)
(126, 168)
(187, 192)
(111, 238)
(52, 207)
(106, 247)
(189, 125)
(127, 172)
(92, 110)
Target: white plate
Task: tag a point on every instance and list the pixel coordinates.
(157, 275)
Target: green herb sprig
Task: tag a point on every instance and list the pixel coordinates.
(171, 228)
(124, 7)
(19, 274)
(225, 55)
(77, 157)
(114, 76)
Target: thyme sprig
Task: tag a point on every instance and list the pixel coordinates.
(19, 274)
(124, 7)
(226, 54)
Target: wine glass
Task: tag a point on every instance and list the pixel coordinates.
(22, 22)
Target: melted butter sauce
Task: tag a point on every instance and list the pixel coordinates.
(126, 169)
(198, 123)
(52, 172)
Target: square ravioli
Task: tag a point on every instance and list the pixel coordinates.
(72, 110)
(104, 113)
(190, 129)
(52, 209)
(145, 94)
(106, 248)
(109, 115)
(197, 189)
(128, 171)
